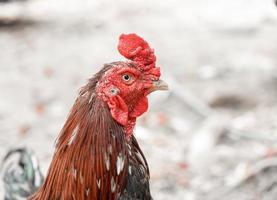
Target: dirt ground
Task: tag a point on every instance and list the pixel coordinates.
(212, 136)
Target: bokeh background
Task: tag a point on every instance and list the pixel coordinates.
(212, 136)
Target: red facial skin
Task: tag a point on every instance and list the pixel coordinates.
(127, 99)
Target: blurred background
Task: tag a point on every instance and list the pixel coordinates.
(212, 136)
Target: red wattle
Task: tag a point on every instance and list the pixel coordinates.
(140, 108)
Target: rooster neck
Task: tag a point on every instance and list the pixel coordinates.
(91, 156)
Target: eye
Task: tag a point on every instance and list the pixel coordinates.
(126, 77)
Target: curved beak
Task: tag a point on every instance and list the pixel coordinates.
(158, 85)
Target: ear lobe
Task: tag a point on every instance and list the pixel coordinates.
(118, 109)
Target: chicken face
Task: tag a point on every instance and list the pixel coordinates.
(124, 87)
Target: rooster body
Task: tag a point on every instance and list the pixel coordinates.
(97, 156)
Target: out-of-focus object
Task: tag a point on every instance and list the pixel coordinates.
(203, 144)
(11, 11)
(9, 1)
(21, 174)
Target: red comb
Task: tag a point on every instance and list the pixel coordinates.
(135, 48)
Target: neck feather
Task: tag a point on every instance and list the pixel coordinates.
(90, 144)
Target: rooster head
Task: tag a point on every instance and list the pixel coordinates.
(125, 85)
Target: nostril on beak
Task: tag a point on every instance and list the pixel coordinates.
(159, 85)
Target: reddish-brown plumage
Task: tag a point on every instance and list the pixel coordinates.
(96, 151)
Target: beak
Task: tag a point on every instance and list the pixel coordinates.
(158, 85)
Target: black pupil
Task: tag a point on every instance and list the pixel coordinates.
(126, 77)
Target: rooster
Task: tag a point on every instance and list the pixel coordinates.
(97, 155)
